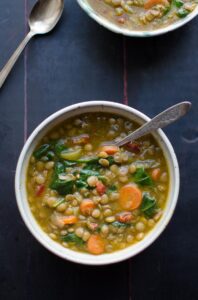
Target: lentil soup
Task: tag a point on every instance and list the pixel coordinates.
(143, 14)
(95, 198)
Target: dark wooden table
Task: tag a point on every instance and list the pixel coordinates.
(82, 61)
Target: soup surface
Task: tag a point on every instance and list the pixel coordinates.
(143, 14)
(95, 198)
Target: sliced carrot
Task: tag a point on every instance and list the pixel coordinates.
(100, 188)
(87, 206)
(150, 3)
(110, 149)
(124, 217)
(156, 174)
(130, 197)
(67, 220)
(96, 244)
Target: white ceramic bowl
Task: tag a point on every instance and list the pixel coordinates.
(21, 193)
(135, 33)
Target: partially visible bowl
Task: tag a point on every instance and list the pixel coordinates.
(133, 33)
(21, 193)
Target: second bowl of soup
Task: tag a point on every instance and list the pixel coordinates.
(141, 18)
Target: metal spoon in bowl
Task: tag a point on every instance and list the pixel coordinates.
(43, 18)
(165, 118)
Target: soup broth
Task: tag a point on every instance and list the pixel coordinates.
(92, 197)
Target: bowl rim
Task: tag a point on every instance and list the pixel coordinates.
(58, 249)
(134, 33)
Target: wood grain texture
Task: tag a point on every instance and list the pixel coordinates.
(82, 61)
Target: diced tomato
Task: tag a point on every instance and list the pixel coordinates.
(101, 188)
(133, 147)
(124, 217)
(40, 189)
(80, 139)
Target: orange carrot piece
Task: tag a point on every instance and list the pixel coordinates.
(96, 244)
(130, 197)
(67, 220)
(110, 150)
(156, 174)
(87, 206)
(150, 3)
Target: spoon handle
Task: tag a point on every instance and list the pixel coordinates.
(11, 62)
(165, 118)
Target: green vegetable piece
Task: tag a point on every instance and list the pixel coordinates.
(59, 203)
(178, 3)
(81, 184)
(182, 13)
(73, 239)
(142, 178)
(41, 151)
(104, 179)
(68, 163)
(111, 189)
(59, 168)
(70, 154)
(50, 155)
(59, 146)
(148, 206)
(110, 160)
(63, 187)
(92, 160)
(166, 10)
(94, 165)
(119, 224)
(85, 173)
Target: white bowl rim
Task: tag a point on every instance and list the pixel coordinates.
(78, 257)
(134, 33)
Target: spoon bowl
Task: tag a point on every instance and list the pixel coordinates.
(45, 15)
(43, 18)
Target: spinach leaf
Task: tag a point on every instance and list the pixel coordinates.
(41, 151)
(182, 12)
(142, 178)
(59, 168)
(81, 184)
(68, 163)
(50, 155)
(91, 160)
(85, 173)
(111, 189)
(63, 187)
(178, 3)
(119, 224)
(94, 165)
(59, 146)
(110, 160)
(149, 205)
(72, 238)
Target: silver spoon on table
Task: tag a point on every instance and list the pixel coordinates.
(165, 118)
(43, 18)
